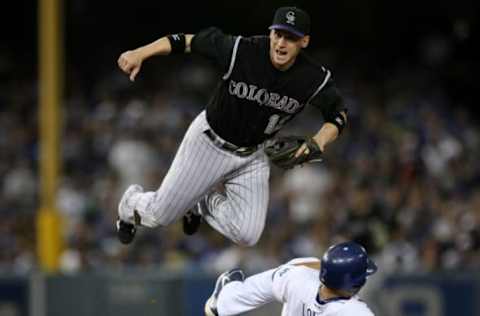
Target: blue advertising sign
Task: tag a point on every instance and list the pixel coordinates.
(14, 296)
(430, 295)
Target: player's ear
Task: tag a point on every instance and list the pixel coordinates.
(305, 41)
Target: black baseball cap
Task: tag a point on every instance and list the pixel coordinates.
(293, 20)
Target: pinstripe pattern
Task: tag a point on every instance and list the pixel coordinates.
(241, 211)
(198, 166)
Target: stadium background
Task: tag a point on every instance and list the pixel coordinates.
(402, 180)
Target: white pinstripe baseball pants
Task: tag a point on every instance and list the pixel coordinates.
(198, 167)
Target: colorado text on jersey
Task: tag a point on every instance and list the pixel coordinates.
(263, 97)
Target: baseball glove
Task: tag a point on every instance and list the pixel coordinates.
(281, 151)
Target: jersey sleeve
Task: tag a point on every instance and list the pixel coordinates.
(329, 100)
(280, 282)
(213, 44)
(284, 276)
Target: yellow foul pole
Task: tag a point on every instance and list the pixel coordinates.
(50, 61)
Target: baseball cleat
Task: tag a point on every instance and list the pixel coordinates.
(191, 222)
(193, 218)
(125, 231)
(222, 280)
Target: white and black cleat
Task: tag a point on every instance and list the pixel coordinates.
(126, 231)
(222, 280)
(191, 221)
(193, 218)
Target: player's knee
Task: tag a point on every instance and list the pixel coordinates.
(248, 240)
(244, 242)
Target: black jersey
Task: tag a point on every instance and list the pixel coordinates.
(254, 100)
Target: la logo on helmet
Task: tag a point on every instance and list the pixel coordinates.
(290, 17)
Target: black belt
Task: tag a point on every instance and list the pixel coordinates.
(223, 144)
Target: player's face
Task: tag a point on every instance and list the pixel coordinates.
(284, 48)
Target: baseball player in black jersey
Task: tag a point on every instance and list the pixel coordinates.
(266, 82)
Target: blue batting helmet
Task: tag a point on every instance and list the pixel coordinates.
(345, 266)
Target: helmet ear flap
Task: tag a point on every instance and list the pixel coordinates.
(359, 282)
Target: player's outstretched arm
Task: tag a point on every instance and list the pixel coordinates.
(237, 298)
(329, 132)
(130, 62)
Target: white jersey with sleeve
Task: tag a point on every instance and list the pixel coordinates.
(296, 285)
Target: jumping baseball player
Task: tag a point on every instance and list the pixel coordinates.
(305, 286)
(266, 82)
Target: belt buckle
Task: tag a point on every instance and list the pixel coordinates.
(218, 142)
(244, 151)
(240, 151)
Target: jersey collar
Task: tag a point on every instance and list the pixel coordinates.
(333, 299)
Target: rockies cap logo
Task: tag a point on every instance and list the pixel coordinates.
(290, 17)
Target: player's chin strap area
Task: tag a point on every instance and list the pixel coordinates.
(234, 149)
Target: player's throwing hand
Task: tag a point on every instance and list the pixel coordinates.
(130, 62)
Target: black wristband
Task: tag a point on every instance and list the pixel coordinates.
(177, 42)
(339, 121)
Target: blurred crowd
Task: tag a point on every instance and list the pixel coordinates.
(402, 179)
